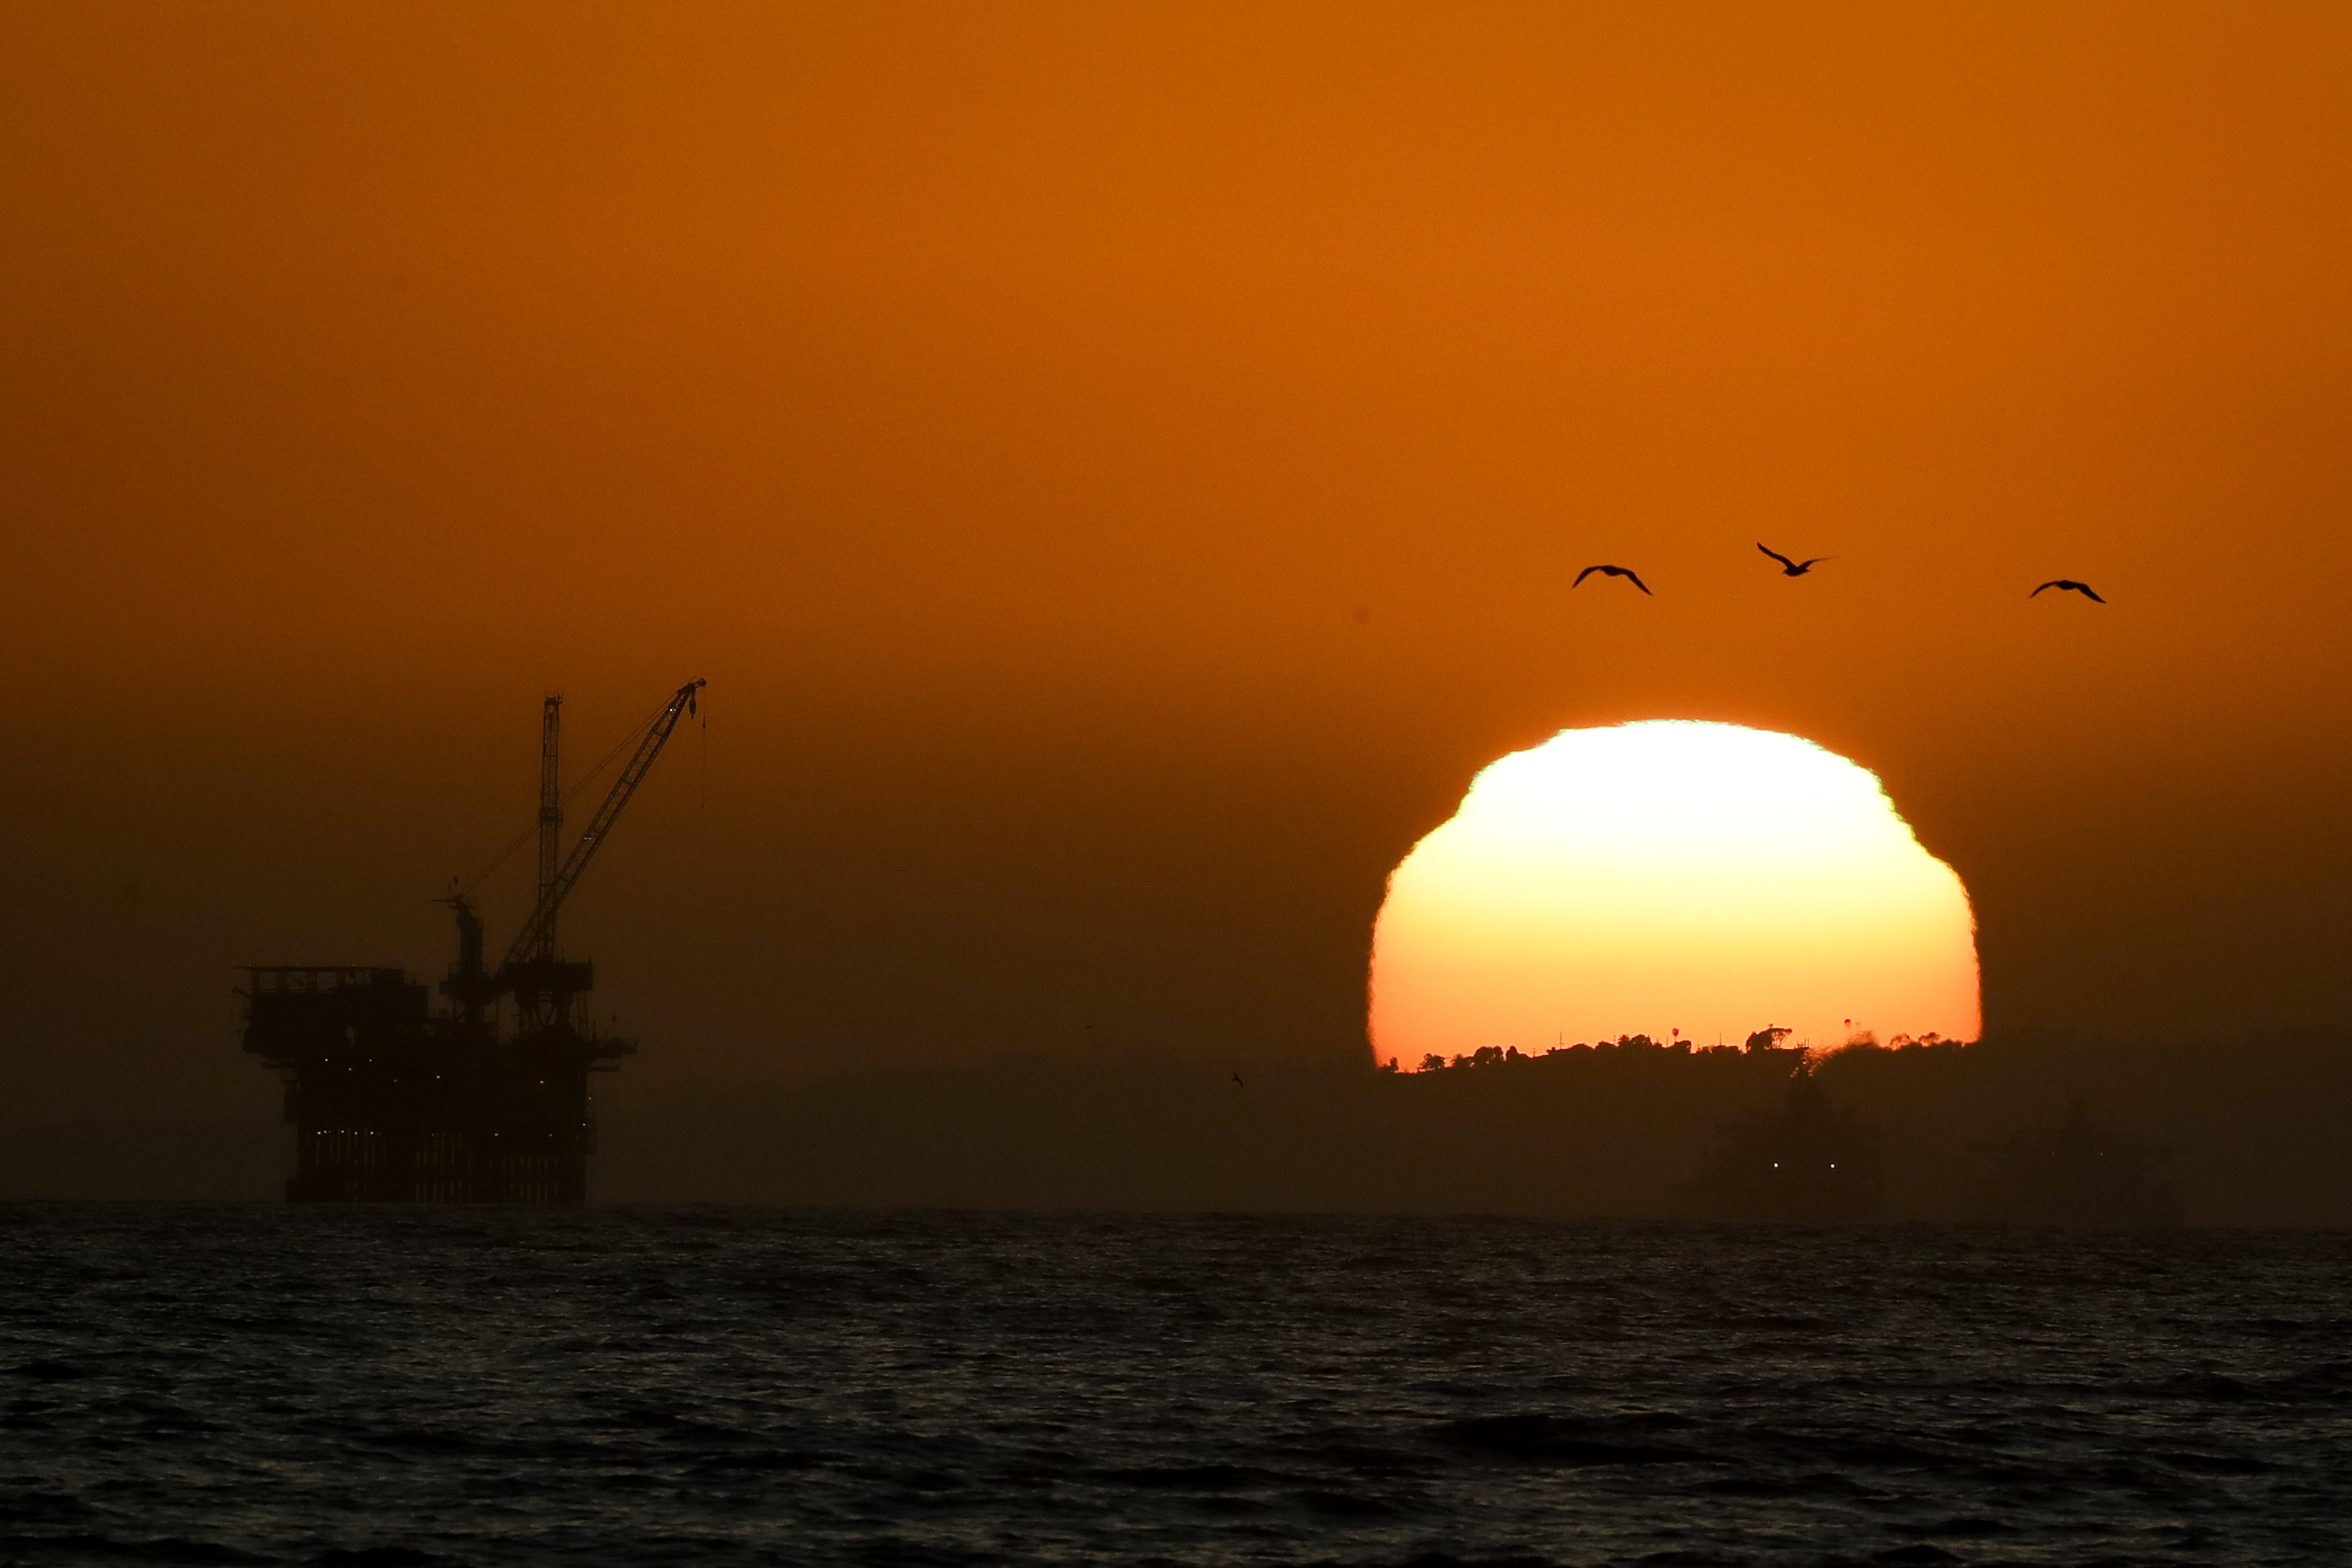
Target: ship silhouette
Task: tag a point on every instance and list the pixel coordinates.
(2079, 1173)
(1805, 1161)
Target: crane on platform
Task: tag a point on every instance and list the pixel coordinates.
(543, 984)
(394, 1102)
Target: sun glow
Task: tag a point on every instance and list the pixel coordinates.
(1670, 876)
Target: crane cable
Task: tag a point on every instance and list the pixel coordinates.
(583, 783)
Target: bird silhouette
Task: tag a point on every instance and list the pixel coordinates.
(1237, 1080)
(1791, 568)
(2068, 585)
(1625, 571)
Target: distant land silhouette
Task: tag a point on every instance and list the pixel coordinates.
(2244, 1131)
(2255, 1128)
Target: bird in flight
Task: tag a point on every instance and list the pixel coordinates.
(1237, 1080)
(1625, 571)
(1791, 568)
(2068, 585)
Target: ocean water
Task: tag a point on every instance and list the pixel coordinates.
(615, 1385)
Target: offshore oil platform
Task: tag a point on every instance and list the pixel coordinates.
(484, 1100)
(2079, 1173)
(1805, 1163)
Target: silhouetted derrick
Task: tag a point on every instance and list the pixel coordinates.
(1803, 1162)
(2079, 1173)
(392, 1102)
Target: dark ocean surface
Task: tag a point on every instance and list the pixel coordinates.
(614, 1386)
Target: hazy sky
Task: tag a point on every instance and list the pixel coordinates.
(1120, 469)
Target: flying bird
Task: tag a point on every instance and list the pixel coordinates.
(1625, 571)
(2068, 585)
(1791, 568)
(1237, 1080)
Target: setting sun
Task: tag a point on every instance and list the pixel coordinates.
(1670, 876)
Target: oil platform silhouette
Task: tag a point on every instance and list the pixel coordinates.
(394, 1102)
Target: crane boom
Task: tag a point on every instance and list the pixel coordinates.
(550, 812)
(538, 933)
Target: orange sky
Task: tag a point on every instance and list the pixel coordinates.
(1010, 409)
